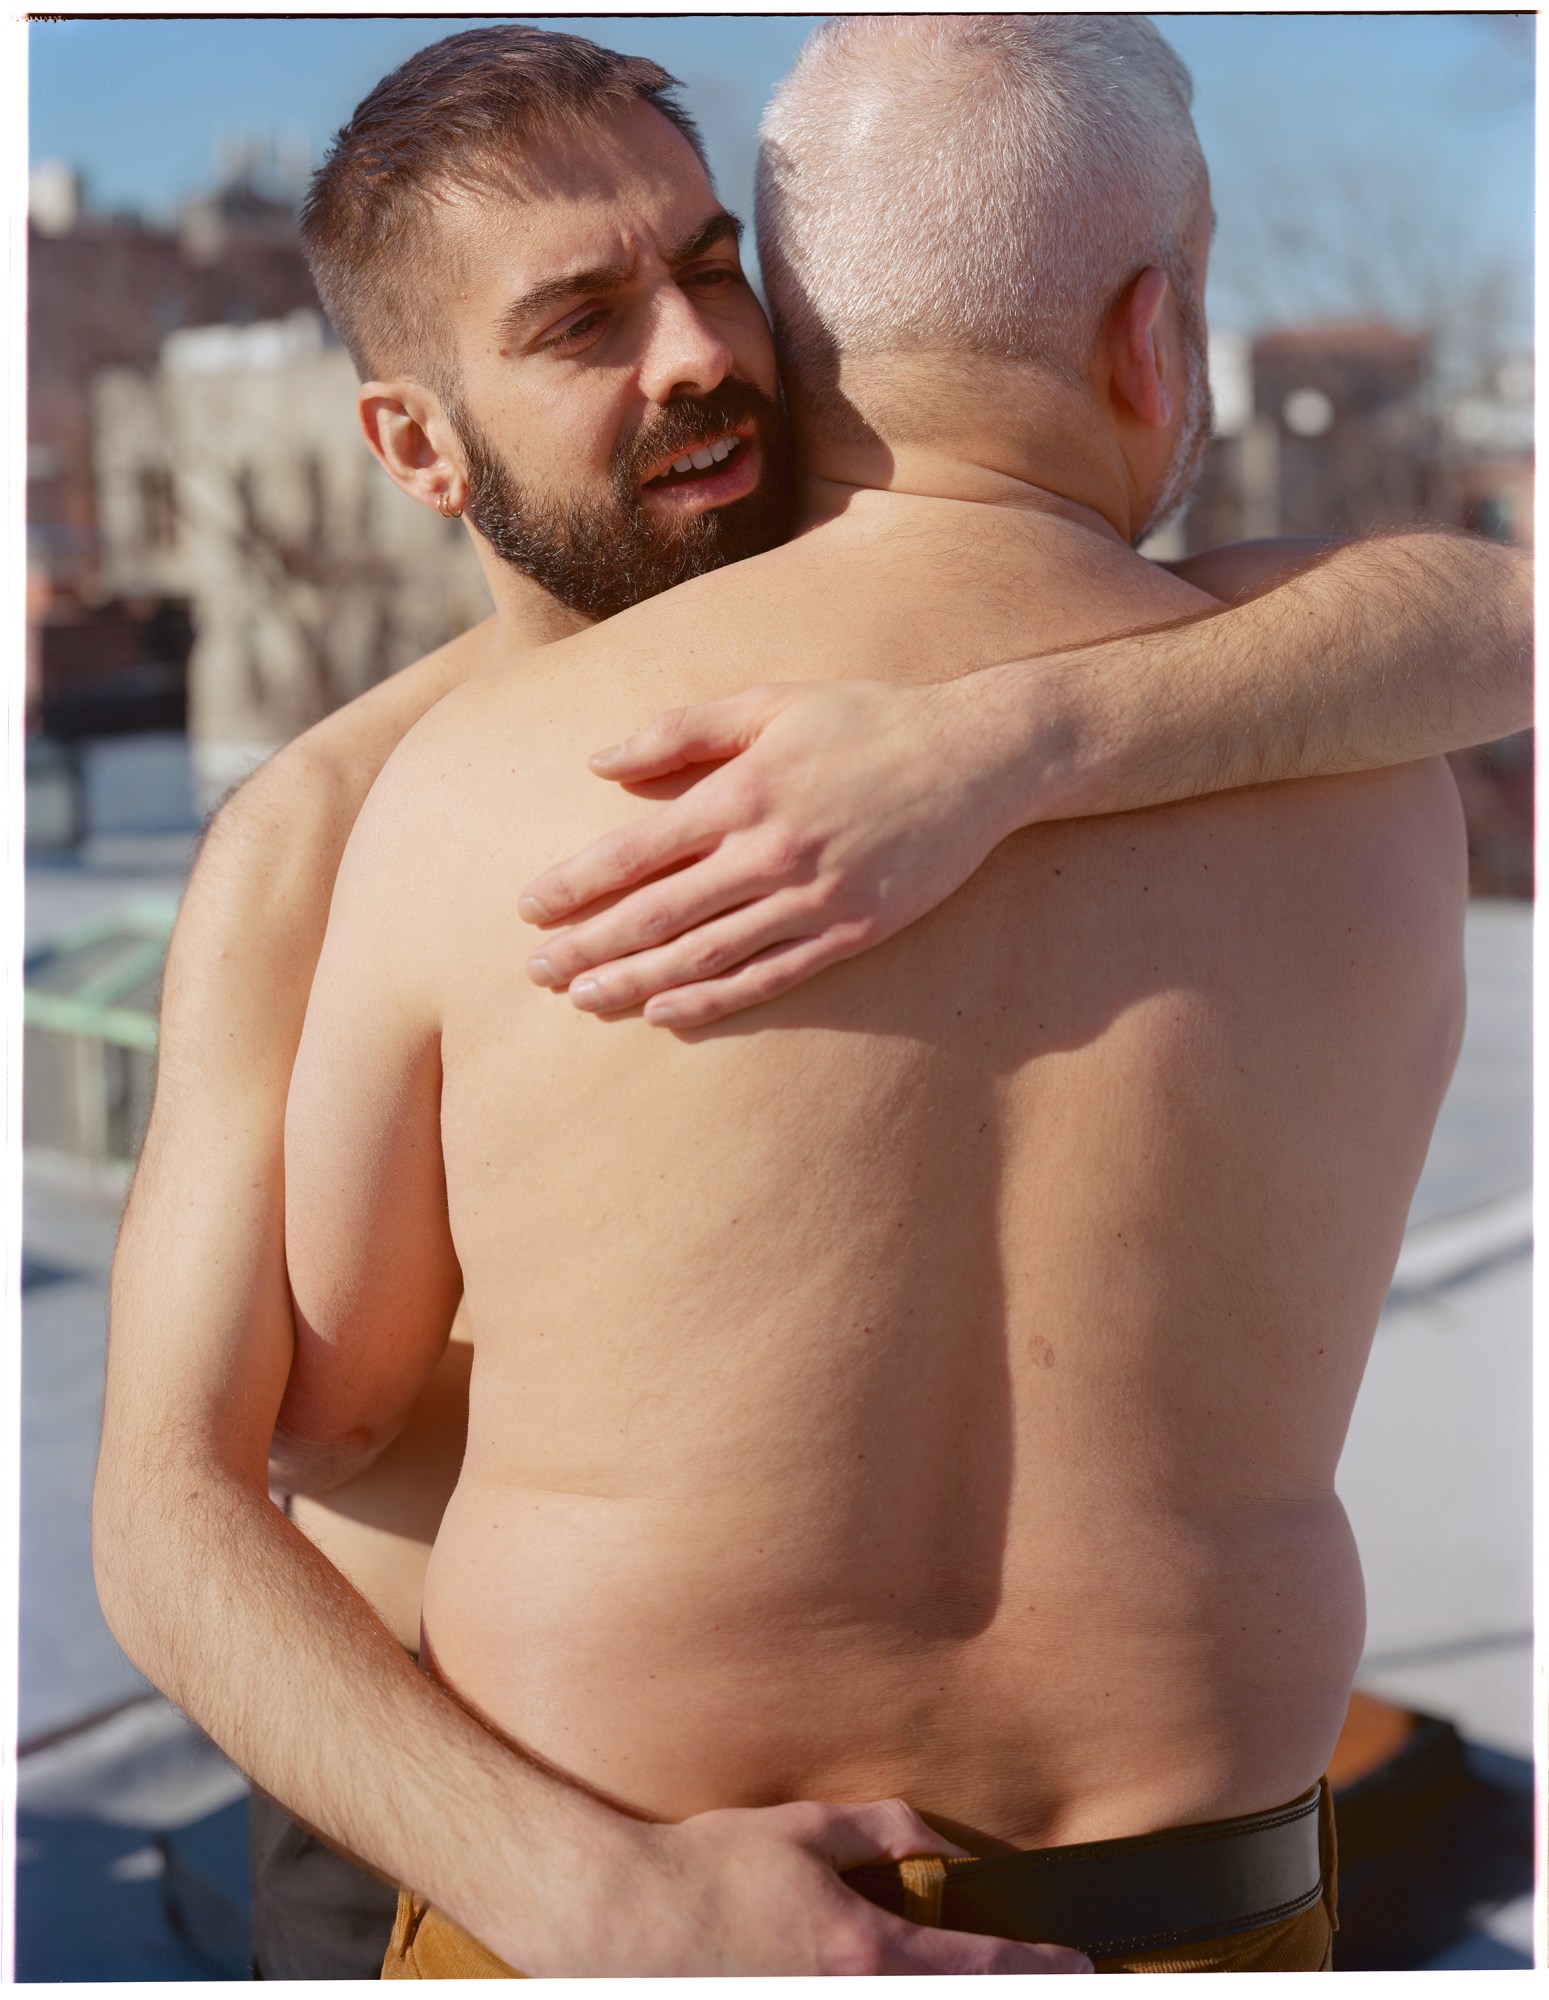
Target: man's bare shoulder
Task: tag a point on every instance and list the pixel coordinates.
(1384, 851)
(711, 634)
(356, 739)
(527, 712)
(463, 766)
(1420, 807)
(905, 596)
(493, 781)
(303, 801)
(267, 862)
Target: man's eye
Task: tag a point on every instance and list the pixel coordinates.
(577, 330)
(716, 279)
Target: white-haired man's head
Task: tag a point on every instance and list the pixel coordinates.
(970, 181)
(973, 184)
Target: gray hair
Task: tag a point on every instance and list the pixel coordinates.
(981, 183)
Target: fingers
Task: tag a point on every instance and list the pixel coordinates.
(654, 915)
(891, 1830)
(765, 977)
(824, 1925)
(877, 1830)
(912, 1949)
(617, 861)
(713, 948)
(683, 736)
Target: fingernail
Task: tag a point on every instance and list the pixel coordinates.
(530, 910)
(600, 757)
(665, 1016)
(586, 993)
(541, 972)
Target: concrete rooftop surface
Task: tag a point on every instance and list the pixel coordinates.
(132, 1829)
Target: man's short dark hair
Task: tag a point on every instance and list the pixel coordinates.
(445, 121)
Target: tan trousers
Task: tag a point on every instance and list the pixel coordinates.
(427, 1945)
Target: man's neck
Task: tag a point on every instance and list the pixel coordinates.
(951, 479)
(1017, 438)
(525, 613)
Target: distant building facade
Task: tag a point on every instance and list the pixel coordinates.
(105, 291)
(1356, 439)
(1490, 440)
(234, 475)
(1340, 429)
(210, 546)
(110, 658)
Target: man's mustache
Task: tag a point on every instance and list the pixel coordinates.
(691, 421)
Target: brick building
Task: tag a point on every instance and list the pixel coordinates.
(105, 291)
(233, 476)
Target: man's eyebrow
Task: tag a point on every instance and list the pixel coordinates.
(610, 277)
(555, 291)
(710, 232)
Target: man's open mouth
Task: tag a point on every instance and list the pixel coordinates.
(695, 464)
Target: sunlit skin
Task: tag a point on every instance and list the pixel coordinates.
(938, 1391)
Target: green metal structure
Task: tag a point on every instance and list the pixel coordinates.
(89, 1002)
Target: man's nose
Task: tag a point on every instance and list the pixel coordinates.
(684, 355)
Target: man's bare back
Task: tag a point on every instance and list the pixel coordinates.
(932, 1383)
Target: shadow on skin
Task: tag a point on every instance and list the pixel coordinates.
(405, 1491)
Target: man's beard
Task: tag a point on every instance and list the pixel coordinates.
(601, 556)
(1198, 416)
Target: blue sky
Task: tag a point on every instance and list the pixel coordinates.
(1418, 128)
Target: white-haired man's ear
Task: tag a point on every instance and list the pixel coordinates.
(412, 438)
(1142, 350)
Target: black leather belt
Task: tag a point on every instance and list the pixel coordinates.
(1107, 1897)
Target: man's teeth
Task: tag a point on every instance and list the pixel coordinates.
(706, 456)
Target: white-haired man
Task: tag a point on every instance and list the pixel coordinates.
(310, 1693)
(937, 1392)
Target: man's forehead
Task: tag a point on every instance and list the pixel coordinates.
(580, 192)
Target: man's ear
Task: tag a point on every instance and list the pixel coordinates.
(1141, 350)
(408, 430)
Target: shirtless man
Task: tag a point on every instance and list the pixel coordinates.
(214, 1595)
(936, 1392)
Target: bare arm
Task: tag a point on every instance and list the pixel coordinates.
(1236, 571)
(848, 809)
(230, 1610)
(373, 1272)
(1370, 654)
